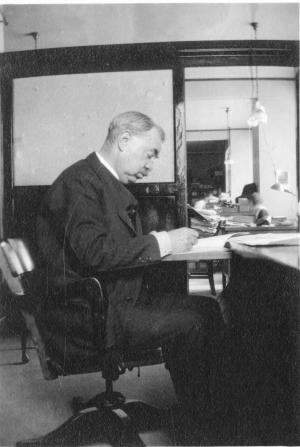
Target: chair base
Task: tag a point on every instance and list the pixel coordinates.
(118, 425)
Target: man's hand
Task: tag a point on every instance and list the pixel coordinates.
(182, 239)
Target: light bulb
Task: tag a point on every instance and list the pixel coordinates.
(259, 115)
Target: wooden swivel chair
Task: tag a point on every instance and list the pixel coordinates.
(106, 417)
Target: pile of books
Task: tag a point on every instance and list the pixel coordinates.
(206, 222)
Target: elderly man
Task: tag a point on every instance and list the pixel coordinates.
(88, 225)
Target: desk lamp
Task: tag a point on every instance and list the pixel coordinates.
(281, 186)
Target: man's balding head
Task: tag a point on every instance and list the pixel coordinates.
(133, 122)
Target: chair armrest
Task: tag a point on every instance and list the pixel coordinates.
(86, 289)
(90, 289)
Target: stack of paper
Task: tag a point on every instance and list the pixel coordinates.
(204, 221)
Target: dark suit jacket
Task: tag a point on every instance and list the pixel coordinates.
(84, 229)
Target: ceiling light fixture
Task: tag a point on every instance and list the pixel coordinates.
(258, 114)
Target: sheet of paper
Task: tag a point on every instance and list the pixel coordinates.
(215, 243)
(209, 243)
(268, 239)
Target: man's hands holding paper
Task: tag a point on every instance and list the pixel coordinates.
(182, 239)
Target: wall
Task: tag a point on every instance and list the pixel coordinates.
(96, 24)
(277, 144)
(61, 119)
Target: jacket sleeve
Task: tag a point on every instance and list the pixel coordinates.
(81, 211)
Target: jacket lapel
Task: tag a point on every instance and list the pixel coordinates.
(122, 197)
(125, 218)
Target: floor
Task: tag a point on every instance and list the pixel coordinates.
(31, 406)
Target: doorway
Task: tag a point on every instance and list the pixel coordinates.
(205, 167)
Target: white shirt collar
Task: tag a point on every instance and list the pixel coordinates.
(107, 165)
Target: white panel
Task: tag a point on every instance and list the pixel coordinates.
(238, 72)
(61, 119)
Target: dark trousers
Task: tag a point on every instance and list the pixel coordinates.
(191, 330)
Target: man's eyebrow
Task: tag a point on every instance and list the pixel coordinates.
(156, 153)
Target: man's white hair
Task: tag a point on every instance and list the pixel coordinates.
(133, 122)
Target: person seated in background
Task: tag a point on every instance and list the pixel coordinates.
(262, 216)
(248, 189)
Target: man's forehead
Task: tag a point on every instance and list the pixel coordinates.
(152, 133)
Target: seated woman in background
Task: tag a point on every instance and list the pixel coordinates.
(262, 216)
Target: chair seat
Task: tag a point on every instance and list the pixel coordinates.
(143, 357)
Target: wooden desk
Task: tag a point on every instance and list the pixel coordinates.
(262, 312)
(262, 308)
(260, 229)
(287, 256)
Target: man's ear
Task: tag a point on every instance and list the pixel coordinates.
(123, 140)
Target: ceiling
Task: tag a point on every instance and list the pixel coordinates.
(60, 25)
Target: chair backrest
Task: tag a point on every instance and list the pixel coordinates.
(15, 260)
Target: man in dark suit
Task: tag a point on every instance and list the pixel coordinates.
(88, 225)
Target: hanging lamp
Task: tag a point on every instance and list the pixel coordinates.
(258, 114)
